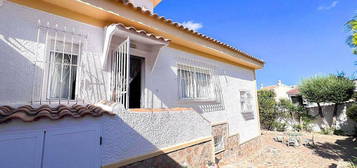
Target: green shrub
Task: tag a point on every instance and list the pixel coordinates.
(352, 112)
(338, 132)
(279, 126)
(267, 108)
(327, 131)
(297, 127)
(306, 122)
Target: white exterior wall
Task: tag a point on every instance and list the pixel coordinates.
(232, 78)
(18, 41)
(19, 49)
(129, 134)
(281, 92)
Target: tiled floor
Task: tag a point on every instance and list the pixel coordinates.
(329, 152)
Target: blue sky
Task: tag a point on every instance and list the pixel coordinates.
(296, 38)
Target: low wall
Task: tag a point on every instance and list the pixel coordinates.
(195, 156)
(235, 152)
(342, 121)
(140, 132)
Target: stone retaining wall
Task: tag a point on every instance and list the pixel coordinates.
(234, 151)
(198, 155)
(195, 156)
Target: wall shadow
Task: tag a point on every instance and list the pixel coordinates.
(345, 149)
(17, 71)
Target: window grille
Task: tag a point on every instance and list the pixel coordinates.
(246, 101)
(57, 64)
(197, 81)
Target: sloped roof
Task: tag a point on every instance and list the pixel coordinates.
(27, 113)
(294, 91)
(183, 28)
(269, 87)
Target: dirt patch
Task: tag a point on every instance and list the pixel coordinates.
(329, 151)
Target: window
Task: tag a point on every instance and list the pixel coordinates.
(195, 83)
(62, 71)
(218, 143)
(246, 102)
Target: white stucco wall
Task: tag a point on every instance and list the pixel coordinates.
(281, 91)
(233, 79)
(19, 50)
(18, 43)
(129, 134)
(137, 133)
(343, 123)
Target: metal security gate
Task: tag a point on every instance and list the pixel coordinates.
(120, 74)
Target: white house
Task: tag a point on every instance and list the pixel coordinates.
(280, 89)
(88, 83)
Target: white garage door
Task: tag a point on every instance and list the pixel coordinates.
(21, 149)
(69, 148)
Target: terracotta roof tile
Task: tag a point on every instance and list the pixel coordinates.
(142, 32)
(181, 27)
(293, 91)
(28, 113)
(269, 87)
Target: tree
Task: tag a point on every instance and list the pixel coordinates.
(267, 108)
(288, 110)
(352, 39)
(339, 90)
(314, 90)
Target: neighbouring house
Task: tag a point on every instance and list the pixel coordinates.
(292, 93)
(89, 83)
(280, 89)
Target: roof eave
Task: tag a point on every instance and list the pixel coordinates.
(105, 12)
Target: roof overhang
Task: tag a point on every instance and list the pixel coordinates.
(140, 36)
(105, 12)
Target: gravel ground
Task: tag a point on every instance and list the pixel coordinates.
(329, 152)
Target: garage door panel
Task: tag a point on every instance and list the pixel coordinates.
(21, 149)
(72, 148)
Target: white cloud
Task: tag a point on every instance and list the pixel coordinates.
(332, 5)
(192, 25)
